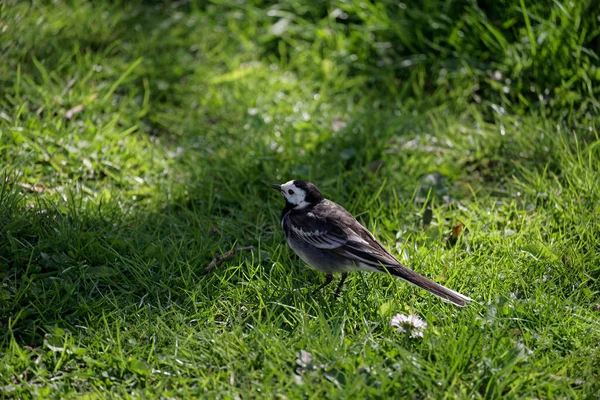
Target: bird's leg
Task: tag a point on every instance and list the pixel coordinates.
(341, 284)
(328, 279)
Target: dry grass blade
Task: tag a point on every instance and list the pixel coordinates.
(73, 112)
(220, 258)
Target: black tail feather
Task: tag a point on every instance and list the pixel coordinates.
(416, 279)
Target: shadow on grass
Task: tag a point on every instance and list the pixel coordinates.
(68, 263)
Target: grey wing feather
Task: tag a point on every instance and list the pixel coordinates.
(329, 226)
(316, 231)
(360, 245)
(319, 239)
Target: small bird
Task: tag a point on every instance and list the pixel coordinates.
(331, 240)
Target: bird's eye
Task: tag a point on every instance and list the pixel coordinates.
(290, 191)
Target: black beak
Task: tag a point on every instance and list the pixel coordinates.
(275, 186)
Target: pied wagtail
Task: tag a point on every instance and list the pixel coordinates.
(330, 240)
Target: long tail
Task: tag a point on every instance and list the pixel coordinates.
(442, 292)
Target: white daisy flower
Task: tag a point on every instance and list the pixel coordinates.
(411, 324)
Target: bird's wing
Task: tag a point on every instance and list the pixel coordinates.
(315, 230)
(329, 226)
(343, 234)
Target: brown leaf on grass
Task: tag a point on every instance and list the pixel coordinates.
(455, 233)
(73, 112)
(220, 258)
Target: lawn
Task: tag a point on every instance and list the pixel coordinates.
(136, 138)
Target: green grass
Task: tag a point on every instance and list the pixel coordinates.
(109, 216)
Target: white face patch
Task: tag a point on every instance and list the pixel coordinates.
(294, 195)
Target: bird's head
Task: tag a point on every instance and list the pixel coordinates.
(299, 194)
